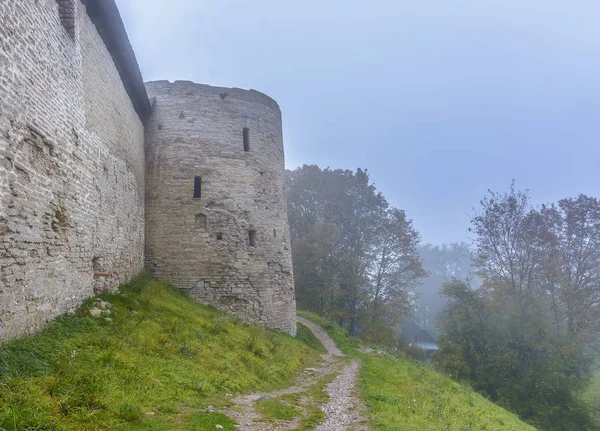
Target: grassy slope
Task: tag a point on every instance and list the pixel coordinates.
(152, 368)
(403, 395)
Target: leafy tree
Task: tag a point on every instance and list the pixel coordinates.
(505, 348)
(315, 268)
(524, 337)
(354, 256)
(511, 241)
(550, 255)
(394, 270)
(573, 269)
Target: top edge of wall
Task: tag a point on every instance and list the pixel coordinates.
(192, 88)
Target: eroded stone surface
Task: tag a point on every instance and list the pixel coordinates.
(230, 245)
(71, 165)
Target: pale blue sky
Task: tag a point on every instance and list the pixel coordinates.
(439, 100)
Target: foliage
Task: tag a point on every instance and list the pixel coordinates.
(355, 257)
(395, 268)
(525, 337)
(448, 260)
(572, 268)
(593, 392)
(416, 353)
(379, 332)
(160, 359)
(505, 347)
(511, 241)
(550, 254)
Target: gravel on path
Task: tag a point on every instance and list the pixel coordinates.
(343, 408)
(343, 412)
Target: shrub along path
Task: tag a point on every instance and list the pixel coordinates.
(323, 395)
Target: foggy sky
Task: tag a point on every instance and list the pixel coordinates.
(439, 100)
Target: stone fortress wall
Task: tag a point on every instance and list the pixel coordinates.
(216, 216)
(71, 164)
(79, 138)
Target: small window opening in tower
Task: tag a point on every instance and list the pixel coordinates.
(274, 233)
(197, 187)
(252, 238)
(66, 12)
(246, 139)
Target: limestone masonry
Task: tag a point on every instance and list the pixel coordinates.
(101, 175)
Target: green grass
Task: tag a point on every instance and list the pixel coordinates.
(158, 361)
(205, 421)
(404, 395)
(307, 337)
(275, 409)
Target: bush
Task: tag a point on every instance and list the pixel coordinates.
(379, 333)
(416, 353)
(505, 348)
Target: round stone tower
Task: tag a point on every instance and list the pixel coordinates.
(216, 216)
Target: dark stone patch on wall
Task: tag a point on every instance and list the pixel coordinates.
(66, 12)
(60, 220)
